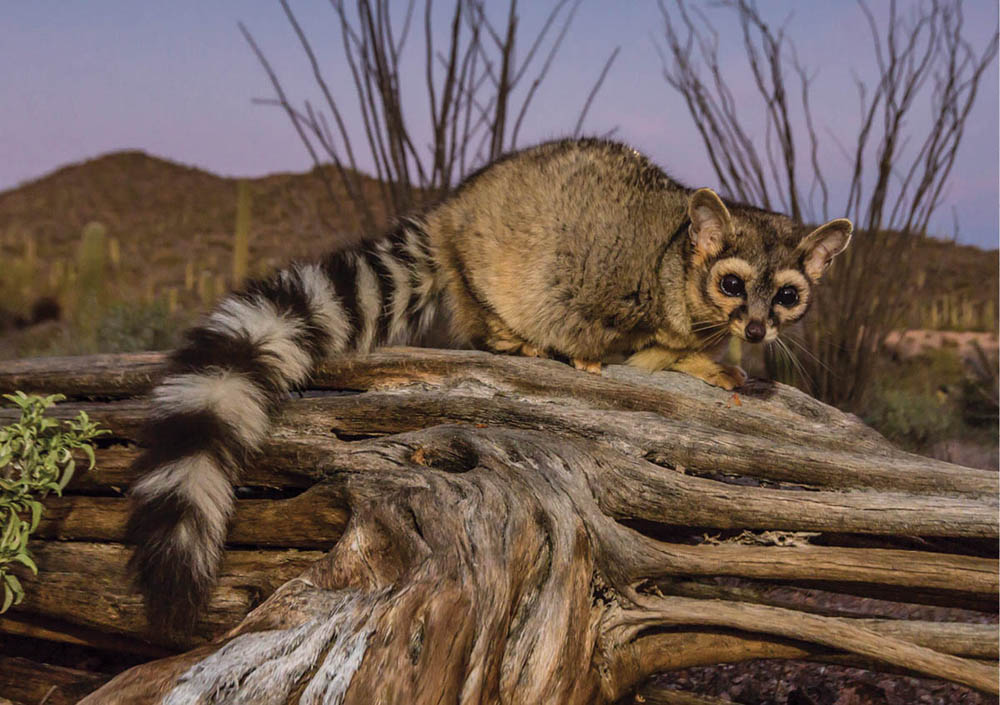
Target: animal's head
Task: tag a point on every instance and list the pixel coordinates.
(751, 272)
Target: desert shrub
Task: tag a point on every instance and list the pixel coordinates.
(979, 391)
(45, 308)
(9, 320)
(933, 397)
(912, 419)
(118, 327)
(126, 327)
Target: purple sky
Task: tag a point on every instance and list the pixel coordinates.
(175, 80)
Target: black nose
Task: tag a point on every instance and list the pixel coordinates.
(754, 331)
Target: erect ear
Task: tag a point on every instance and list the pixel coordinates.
(710, 221)
(824, 243)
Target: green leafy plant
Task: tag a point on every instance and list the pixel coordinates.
(36, 458)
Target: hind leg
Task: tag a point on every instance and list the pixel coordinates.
(500, 338)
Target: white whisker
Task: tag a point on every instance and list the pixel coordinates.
(811, 355)
(797, 364)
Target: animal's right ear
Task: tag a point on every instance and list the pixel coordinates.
(710, 221)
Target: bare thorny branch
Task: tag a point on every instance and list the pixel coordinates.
(891, 194)
(477, 99)
(299, 122)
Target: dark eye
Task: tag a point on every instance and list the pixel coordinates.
(787, 296)
(732, 285)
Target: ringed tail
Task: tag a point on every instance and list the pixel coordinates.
(212, 411)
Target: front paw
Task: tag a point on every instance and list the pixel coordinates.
(726, 376)
(587, 366)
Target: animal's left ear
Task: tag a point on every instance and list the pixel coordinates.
(823, 244)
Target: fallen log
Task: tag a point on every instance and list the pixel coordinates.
(440, 526)
(28, 682)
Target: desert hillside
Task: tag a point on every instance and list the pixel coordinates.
(166, 219)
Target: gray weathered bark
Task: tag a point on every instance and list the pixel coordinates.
(510, 530)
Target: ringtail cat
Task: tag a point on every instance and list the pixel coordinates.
(578, 249)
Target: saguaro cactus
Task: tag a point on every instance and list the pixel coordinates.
(115, 252)
(91, 260)
(241, 233)
(89, 292)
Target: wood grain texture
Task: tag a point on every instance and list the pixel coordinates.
(86, 584)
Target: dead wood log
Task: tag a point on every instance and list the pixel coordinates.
(85, 584)
(309, 520)
(505, 529)
(25, 681)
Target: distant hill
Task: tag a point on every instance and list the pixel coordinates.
(166, 215)
(958, 270)
(170, 219)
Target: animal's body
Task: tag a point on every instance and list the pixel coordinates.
(580, 249)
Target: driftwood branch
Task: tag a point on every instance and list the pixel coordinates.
(438, 523)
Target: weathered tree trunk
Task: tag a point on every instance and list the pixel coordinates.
(509, 530)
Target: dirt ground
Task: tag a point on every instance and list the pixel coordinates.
(799, 683)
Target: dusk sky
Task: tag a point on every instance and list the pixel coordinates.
(176, 80)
